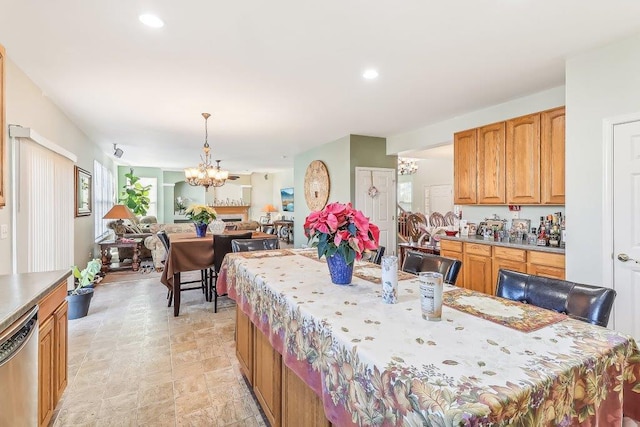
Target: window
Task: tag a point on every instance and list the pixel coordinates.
(153, 195)
(103, 196)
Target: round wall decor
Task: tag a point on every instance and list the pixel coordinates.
(316, 185)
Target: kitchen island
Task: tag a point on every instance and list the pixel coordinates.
(337, 354)
(19, 293)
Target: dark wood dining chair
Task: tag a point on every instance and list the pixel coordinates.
(164, 239)
(221, 247)
(416, 262)
(591, 304)
(246, 245)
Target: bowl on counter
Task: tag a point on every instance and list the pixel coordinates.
(451, 232)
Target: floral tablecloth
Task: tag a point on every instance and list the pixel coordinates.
(380, 364)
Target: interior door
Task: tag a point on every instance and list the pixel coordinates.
(382, 207)
(438, 198)
(626, 227)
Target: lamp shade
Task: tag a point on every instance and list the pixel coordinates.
(269, 208)
(119, 212)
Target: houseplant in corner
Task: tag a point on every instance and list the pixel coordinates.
(342, 234)
(135, 196)
(201, 215)
(80, 297)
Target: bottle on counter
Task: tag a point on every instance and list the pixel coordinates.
(542, 234)
(563, 232)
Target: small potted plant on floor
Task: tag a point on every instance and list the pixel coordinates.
(80, 297)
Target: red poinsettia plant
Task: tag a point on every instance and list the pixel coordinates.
(339, 228)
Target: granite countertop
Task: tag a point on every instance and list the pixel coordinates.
(20, 292)
(478, 239)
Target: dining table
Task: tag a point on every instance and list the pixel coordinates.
(489, 361)
(187, 252)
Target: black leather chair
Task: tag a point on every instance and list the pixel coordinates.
(588, 303)
(164, 239)
(376, 258)
(221, 247)
(246, 245)
(416, 262)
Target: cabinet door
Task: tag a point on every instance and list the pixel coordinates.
(60, 350)
(267, 377)
(552, 156)
(491, 164)
(477, 273)
(244, 344)
(46, 375)
(465, 167)
(300, 405)
(523, 160)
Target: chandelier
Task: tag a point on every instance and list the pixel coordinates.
(206, 174)
(407, 166)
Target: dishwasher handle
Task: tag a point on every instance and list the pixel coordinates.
(17, 335)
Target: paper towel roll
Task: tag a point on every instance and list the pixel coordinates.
(390, 279)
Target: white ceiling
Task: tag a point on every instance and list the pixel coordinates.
(283, 76)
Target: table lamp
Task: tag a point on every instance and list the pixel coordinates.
(119, 212)
(268, 209)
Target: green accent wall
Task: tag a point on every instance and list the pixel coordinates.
(341, 158)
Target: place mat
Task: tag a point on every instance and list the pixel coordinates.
(364, 270)
(266, 254)
(512, 314)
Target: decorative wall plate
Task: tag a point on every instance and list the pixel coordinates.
(316, 185)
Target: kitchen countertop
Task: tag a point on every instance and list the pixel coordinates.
(20, 292)
(478, 239)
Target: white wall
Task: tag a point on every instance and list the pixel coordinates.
(282, 179)
(442, 132)
(602, 83)
(261, 194)
(430, 172)
(26, 105)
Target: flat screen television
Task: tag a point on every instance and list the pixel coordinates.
(286, 194)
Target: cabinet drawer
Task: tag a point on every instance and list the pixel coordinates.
(450, 245)
(477, 249)
(510, 254)
(52, 301)
(543, 258)
(545, 271)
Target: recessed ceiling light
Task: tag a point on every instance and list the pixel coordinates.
(151, 20)
(370, 74)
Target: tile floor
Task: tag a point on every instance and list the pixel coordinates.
(131, 363)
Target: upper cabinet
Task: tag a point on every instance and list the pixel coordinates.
(464, 169)
(517, 162)
(552, 156)
(491, 164)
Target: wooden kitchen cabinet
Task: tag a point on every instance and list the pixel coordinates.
(267, 377)
(244, 344)
(523, 160)
(552, 156)
(491, 164)
(300, 405)
(453, 249)
(477, 267)
(546, 265)
(52, 355)
(465, 167)
(507, 259)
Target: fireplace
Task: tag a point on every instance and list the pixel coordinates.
(232, 213)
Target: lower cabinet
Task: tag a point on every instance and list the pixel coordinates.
(481, 263)
(52, 353)
(267, 377)
(285, 399)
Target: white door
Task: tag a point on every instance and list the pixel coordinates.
(438, 198)
(626, 227)
(380, 209)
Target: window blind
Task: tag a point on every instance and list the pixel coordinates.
(103, 196)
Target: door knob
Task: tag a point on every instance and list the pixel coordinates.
(625, 258)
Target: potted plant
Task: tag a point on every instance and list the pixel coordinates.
(342, 234)
(80, 297)
(135, 195)
(201, 215)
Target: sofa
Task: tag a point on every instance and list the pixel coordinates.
(155, 246)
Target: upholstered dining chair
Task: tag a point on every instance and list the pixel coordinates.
(164, 239)
(246, 245)
(230, 227)
(416, 262)
(376, 257)
(221, 247)
(591, 304)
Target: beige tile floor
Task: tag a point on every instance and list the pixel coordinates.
(131, 363)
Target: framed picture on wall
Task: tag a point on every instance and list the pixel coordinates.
(83, 192)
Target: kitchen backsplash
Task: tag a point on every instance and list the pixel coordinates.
(475, 214)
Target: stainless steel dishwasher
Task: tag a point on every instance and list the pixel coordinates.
(19, 372)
